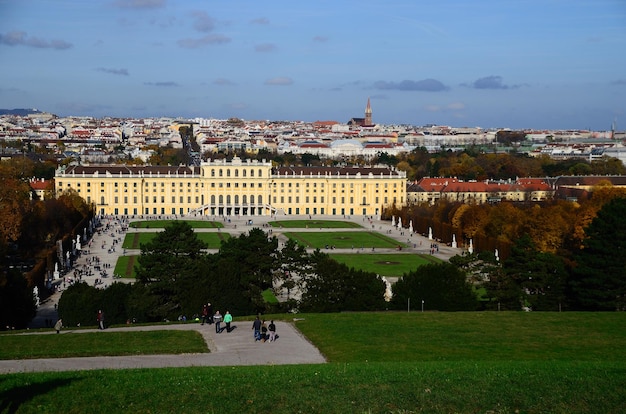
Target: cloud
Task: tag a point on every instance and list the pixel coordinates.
(279, 81)
(223, 82)
(139, 4)
(18, 38)
(260, 20)
(203, 41)
(619, 82)
(320, 39)
(265, 47)
(203, 22)
(425, 85)
(168, 84)
(112, 71)
(491, 82)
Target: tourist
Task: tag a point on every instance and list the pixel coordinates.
(217, 319)
(100, 319)
(272, 329)
(263, 332)
(228, 318)
(256, 326)
(58, 325)
(205, 313)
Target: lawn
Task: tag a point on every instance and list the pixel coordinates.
(161, 224)
(213, 240)
(125, 266)
(357, 240)
(101, 343)
(400, 363)
(390, 265)
(314, 224)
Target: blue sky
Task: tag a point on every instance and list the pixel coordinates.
(544, 64)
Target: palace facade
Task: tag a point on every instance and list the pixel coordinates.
(225, 188)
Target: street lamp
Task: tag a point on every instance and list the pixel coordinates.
(422, 305)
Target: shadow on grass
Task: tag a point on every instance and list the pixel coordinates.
(13, 398)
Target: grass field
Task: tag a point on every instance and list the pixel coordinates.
(314, 224)
(96, 343)
(125, 266)
(161, 224)
(415, 362)
(134, 240)
(344, 240)
(390, 265)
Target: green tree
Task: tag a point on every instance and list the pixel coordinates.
(169, 266)
(442, 286)
(598, 281)
(333, 287)
(540, 277)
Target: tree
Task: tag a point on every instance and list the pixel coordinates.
(168, 265)
(598, 281)
(17, 304)
(539, 276)
(333, 287)
(442, 286)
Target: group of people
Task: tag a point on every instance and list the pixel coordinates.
(262, 331)
(216, 318)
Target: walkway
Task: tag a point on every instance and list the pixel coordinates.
(227, 349)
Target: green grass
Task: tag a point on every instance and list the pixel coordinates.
(467, 336)
(390, 265)
(161, 224)
(344, 240)
(396, 388)
(125, 266)
(134, 240)
(387, 362)
(314, 224)
(104, 343)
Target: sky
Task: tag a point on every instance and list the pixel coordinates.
(521, 64)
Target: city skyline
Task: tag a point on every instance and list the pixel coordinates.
(520, 64)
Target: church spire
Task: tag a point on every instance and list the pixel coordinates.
(368, 113)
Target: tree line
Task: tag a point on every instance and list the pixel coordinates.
(29, 229)
(176, 277)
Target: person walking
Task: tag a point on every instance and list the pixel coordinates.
(256, 326)
(228, 318)
(58, 325)
(100, 319)
(263, 331)
(205, 313)
(217, 319)
(272, 329)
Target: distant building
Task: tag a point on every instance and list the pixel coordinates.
(363, 122)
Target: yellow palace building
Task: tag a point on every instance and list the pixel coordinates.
(226, 188)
